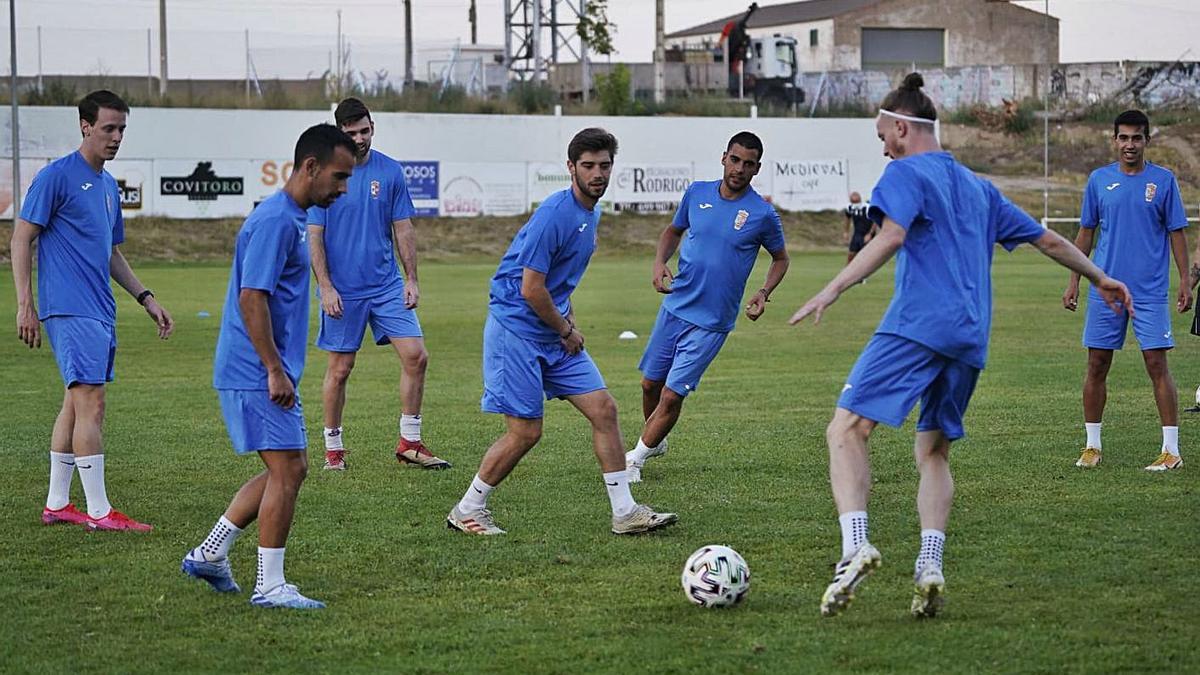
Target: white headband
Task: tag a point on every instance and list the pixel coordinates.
(906, 118)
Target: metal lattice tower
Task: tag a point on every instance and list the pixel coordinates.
(537, 33)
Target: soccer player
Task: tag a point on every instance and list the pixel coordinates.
(942, 222)
(352, 245)
(73, 211)
(532, 347)
(725, 222)
(859, 228)
(258, 363)
(1137, 207)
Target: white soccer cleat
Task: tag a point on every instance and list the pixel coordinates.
(633, 472)
(850, 572)
(642, 519)
(474, 522)
(286, 596)
(633, 467)
(929, 587)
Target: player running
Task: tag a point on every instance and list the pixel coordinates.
(532, 349)
(352, 245)
(942, 222)
(1136, 206)
(725, 222)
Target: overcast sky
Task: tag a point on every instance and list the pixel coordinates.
(206, 37)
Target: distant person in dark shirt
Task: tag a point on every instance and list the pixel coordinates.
(859, 228)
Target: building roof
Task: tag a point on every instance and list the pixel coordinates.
(780, 15)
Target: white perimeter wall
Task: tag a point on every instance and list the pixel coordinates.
(462, 164)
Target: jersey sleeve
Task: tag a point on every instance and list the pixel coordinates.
(402, 206)
(1013, 226)
(1089, 211)
(772, 236)
(680, 221)
(43, 198)
(265, 254)
(896, 196)
(317, 216)
(541, 242)
(1174, 215)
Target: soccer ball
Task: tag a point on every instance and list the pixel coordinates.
(715, 576)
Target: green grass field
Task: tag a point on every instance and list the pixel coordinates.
(1049, 569)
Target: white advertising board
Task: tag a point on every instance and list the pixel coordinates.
(809, 184)
(482, 189)
(202, 189)
(649, 188)
(135, 179)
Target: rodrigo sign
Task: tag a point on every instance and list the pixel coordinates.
(649, 188)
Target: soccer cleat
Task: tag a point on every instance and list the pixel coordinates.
(633, 468)
(848, 574)
(284, 595)
(633, 472)
(929, 588)
(67, 514)
(1165, 462)
(642, 519)
(115, 520)
(335, 460)
(1089, 458)
(474, 522)
(415, 452)
(217, 573)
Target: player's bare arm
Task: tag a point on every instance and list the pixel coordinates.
(870, 258)
(331, 300)
(29, 329)
(123, 274)
(533, 289)
(1180, 253)
(1083, 241)
(668, 242)
(405, 236)
(1058, 248)
(257, 317)
(775, 273)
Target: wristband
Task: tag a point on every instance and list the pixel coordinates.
(766, 295)
(141, 298)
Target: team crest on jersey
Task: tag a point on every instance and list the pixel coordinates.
(374, 189)
(1151, 190)
(740, 220)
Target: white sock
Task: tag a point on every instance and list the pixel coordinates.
(270, 569)
(62, 470)
(639, 453)
(1171, 440)
(933, 542)
(854, 531)
(617, 483)
(410, 427)
(333, 438)
(216, 546)
(1093, 434)
(476, 496)
(91, 474)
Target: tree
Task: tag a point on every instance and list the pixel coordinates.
(595, 29)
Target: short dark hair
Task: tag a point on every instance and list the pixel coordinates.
(1132, 118)
(748, 141)
(90, 105)
(909, 99)
(592, 139)
(319, 141)
(350, 111)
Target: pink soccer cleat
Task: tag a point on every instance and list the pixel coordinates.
(115, 520)
(66, 515)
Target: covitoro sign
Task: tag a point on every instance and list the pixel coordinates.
(202, 185)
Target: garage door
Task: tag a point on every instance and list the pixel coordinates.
(886, 48)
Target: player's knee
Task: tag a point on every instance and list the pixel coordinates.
(528, 435)
(605, 413)
(416, 362)
(651, 387)
(1098, 365)
(844, 427)
(87, 401)
(339, 370)
(670, 401)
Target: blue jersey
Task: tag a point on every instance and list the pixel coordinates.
(953, 219)
(720, 244)
(558, 241)
(358, 229)
(271, 255)
(1135, 215)
(79, 212)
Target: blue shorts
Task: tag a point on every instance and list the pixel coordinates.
(894, 372)
(84, 348)
(679, 352)
(256, 423)
(387, 314)
(519, 373)
(1105, 329)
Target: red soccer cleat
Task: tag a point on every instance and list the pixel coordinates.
(335, 460)
(415, 452)
(66, 515)
(115, 520)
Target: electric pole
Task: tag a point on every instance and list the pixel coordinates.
(162, 48)
(660, 55)
(473, 17)
(408, 46)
